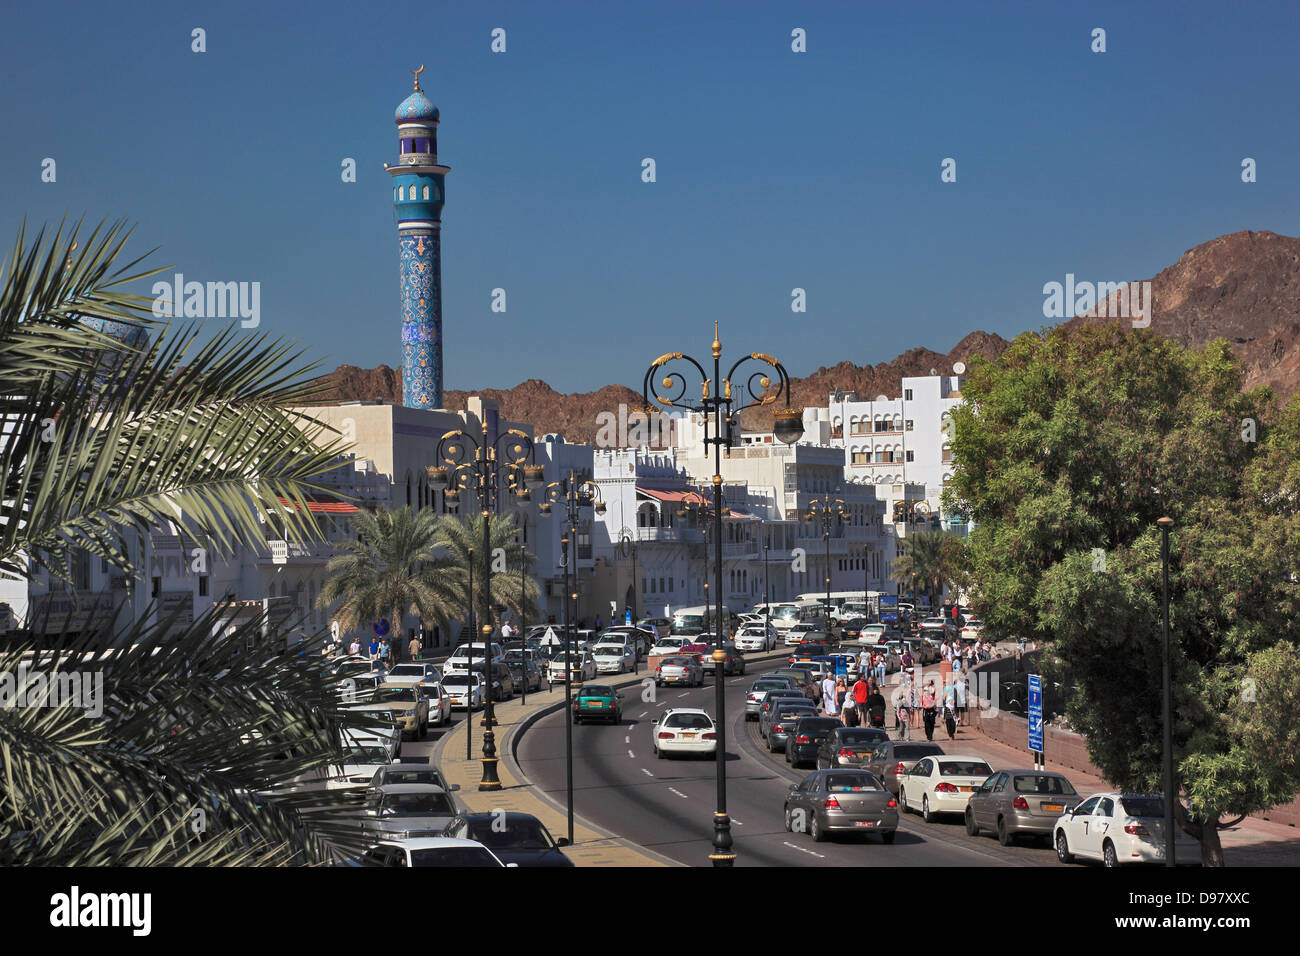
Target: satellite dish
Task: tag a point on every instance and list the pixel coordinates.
(882, 398)
(960, 368)
(934, 371)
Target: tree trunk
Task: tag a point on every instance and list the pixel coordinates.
(1211, 846)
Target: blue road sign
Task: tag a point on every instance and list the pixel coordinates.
(1035, 713)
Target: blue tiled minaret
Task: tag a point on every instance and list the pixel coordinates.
(417, 203)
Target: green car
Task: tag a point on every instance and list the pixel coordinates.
(597, 701)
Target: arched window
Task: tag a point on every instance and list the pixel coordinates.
(426, 193)
(410, 192)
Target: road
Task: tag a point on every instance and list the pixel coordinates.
(667, 805)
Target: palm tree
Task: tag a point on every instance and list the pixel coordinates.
(929, 562)
(195, 734)
(458, 537)
(391, 569)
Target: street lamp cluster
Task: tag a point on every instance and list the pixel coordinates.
(827, 512)
(721, 410)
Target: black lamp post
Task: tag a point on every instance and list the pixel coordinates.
(574, 495)
(827, 512)
(627, 545)
(721, 411)
(767, 589)
(1166, 694)
(485, 466)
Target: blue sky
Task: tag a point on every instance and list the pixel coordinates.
(775, 170)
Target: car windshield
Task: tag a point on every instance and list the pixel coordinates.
(855, 737)
(964, 768)
(596, 691)
(813, 725)
(416, 805)
(458, 683)
(395, 693)
(689, 721)
(609, 650)
(1153, 807)
(511, 834)
(363, 753)
(916, 751)
(454, 856)
(677, 662)
(1041, 783)
(850, 782)
(412, 775)
(407, 670)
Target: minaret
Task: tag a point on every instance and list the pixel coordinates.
(417, 204)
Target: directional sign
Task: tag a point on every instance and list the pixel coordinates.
(550, 637)
(1035, 713)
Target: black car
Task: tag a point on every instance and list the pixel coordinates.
(852, 629)
(518, 838)
(734, 664)
(848, 747)
(806, 739)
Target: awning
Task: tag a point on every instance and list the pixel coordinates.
(326, 506)
(672, 496)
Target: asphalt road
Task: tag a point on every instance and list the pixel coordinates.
(667, 804)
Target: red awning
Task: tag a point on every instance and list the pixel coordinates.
(326, 506)
(673, 496)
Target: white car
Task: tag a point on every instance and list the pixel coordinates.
(684, 730)
(581, 665)
(941, 784)
(756, 637)
(872, 633)
(439, 702)
(669, 645)
(1119, 828)
(464, 690)
(431, 851)
(972, 631)
(412, 673)
(613, 658)
(363, 754)
(461, 660)
(796, 633)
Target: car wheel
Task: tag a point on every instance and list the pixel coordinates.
(1063, 853)
(770, 747)
(1109, 858)
(815, 830)
(888, 836)
(902, 801)
(424, 729)
(789, 821)
(1005, 836)
(788, 758)
(972, 828)
(926, 815)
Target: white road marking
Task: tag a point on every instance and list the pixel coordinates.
(646, 772)
(680, 696)
(678, 792)
(737, 822)
(820, 856)
(627, 740)
(644, 713)
(630, 754)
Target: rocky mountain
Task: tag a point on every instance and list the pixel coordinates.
(1244, 287)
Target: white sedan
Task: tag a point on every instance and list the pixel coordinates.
(684, 730)
(941, 784)
(614, 658)
(582, 667)
(1119, 828)
(756, 637)
(464, 690)
(439, 702)
(669, 645)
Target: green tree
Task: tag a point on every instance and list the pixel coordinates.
(459, 537)
(1069, 447)
(929, 562)
(200, 732)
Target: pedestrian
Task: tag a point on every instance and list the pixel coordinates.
(959, 696)
(908, 663)
(875, 707)
(849, 711)
(414, 647)
(880, 668)
(374, 648)
(828, 696)
(506, 631)
(841, 691)
(861, 691)
(355, 647)
(384, 650)
(598, 624)
(950, 709)
(903, 720)
(928, 710)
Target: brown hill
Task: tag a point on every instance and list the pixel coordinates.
(1244, 287)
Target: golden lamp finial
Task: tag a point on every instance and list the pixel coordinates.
(717, 345)
(67, 262)
(416, 74)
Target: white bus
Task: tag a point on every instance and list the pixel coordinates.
(695, 620)
(846, 604)
(789, 613)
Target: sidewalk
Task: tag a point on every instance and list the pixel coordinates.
(592, 846)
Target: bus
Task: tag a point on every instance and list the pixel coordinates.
(789, 613)
(689, 621)
(847, 604)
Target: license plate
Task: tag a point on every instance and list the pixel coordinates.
(1054, 807)
(595, 703)
(966, 789)
(688, 736)
(864, 823)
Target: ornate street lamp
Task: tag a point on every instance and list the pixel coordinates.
(827, 512)
(489, 468)
(721, 411)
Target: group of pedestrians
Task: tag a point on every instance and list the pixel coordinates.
(861, 704)
(948, 706)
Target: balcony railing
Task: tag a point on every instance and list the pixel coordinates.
(669, 534)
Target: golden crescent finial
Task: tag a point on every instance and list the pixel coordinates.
(416, 74)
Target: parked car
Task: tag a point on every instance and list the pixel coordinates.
(684, 730)
(439, 702)
(780, 723)
(597, 701)
(409, 706)
(848, 747)
(679, 670)
(395, 773)
(941, 784)
(470, 657)
(890, 759)
(1014, 803)
(806, 739)
(464, 690)
(430, 851)
(758, 693)
(757, 637)
(412, 673)
(405, 810)
(363, 755)
(972, 631)
(829, 801)
(525, 670)
(515, 838)
(1119, 828)
(669, 645)
(582, 667)
(660, 625)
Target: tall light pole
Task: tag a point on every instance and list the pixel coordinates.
(485, 466)
(767, 586)
(574, 495)
(1166, 694)
(827, 512)
(721, 411)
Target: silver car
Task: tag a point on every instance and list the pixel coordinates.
(685, 670)
(830, 801)
(1015, 802)
(405, 810)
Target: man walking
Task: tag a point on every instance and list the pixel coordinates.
(860, 694)
(414, 647)
(828, 696)
(928, 710)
